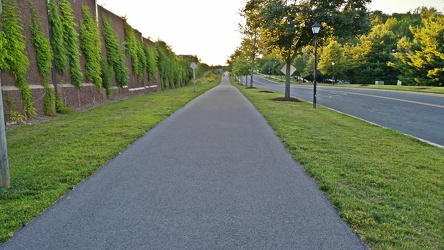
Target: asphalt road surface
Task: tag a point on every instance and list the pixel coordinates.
(417, 114)
(212, 176)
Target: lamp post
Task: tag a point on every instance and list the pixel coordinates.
(333, 65)
(315, 28)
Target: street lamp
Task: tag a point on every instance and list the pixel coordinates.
(315, 28)
(333, 65)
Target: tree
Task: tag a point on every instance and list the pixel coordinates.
(375, 50)
(421, 60)
(331, 60)
(241, 68)
(238, 61)
(251, 32)
(286, 27)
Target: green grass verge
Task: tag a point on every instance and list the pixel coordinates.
(48, 159)
(387, 186)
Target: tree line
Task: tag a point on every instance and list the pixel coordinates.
(355, 45)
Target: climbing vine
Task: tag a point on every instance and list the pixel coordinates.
(142, 60)
(115, 54)
(151, 61)
(131, 46)
(70, 36)
(60, 107)
(44, 59)
(106, 75)
(3, 53)
(164, 63)
(91, 47)
(17, 60)
(57, 43)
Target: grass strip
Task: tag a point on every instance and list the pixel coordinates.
(387, 186)
(50, 158)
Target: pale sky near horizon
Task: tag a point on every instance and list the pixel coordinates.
(209, 28)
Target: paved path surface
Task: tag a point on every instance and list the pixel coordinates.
(211, 176)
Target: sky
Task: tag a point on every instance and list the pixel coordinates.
(209, 28)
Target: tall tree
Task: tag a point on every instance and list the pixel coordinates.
(250, 30)
(421, 60)
(286, 25)
(374, 51)
(331, 60)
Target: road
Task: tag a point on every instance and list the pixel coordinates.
(417, 114)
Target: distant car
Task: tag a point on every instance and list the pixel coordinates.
(299, 78)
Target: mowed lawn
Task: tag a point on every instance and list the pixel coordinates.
(48, 159)
(387, 186)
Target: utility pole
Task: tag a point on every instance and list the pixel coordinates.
(4, 166)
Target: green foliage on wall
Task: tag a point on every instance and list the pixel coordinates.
(44, 59)
(3, 53)
(17, 60)
(142, 59)
(182, 71)
(164, 63)
(61, 108)
(131, 45)
(151, 57)
(57, 42)
(91, 47)
(70, 37)
(173, 70)
(14, 115)
(115, 54)
(106, 75)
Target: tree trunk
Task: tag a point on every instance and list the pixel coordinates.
(252, 72)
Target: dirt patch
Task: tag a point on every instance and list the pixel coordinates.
(283, 99)
(266, 91)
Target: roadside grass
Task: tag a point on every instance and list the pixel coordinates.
(387, 186)
(50, 158)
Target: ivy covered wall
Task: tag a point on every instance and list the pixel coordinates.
(90, 62)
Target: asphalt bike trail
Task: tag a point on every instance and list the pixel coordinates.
(213, 175)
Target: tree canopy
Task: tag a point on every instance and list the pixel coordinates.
(356, 46)
(285, 26)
